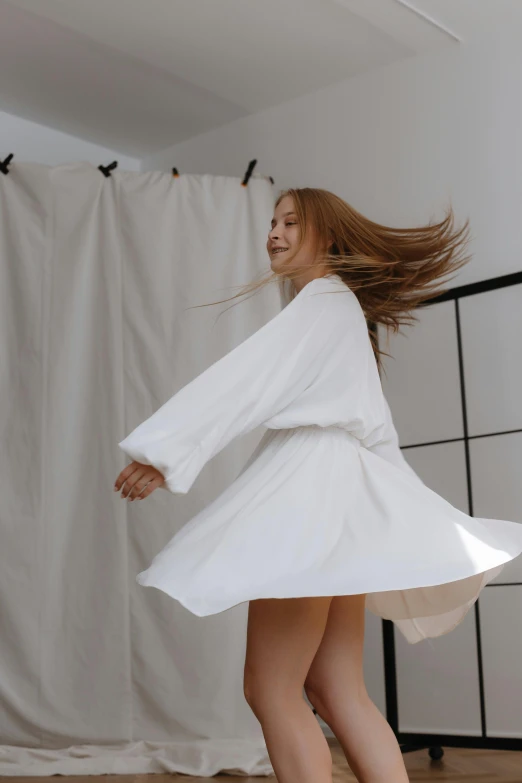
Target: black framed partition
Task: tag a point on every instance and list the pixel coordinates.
(473, 350)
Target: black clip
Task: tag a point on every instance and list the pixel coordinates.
(175, 173)
(250, 169)
(106, 170)
(4, 164)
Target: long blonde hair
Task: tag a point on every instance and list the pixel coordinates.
(391, 270)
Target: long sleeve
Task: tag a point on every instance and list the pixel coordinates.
(249, 385)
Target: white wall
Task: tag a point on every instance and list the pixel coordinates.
(30, 142)
(397, 143)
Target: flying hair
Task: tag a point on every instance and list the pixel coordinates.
(392, 271)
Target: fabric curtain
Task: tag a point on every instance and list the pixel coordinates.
(97, 275)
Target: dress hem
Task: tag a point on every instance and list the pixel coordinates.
(191, 604)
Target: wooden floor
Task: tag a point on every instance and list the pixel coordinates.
(457, 766)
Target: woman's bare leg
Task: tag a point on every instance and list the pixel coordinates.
(335, 686)
(282, 638)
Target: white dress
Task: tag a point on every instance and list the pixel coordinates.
(326, 505)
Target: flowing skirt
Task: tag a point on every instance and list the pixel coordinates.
(315, 513)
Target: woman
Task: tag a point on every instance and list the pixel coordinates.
(326, 518)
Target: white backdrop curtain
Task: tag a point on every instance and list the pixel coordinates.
(98, 674)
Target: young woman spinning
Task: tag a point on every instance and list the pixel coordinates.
(326, 519)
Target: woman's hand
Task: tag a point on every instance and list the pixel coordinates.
(138, 481)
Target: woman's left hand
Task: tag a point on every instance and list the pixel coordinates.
(138, 481)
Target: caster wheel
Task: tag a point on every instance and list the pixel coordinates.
(436, 753)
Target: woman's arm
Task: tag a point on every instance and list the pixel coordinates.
(249, 385)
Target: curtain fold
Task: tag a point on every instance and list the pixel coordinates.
(97, 674)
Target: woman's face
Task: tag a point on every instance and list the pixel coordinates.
(285, 233)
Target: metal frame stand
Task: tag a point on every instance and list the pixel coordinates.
(434, 742)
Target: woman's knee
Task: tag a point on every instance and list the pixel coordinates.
(282, 638)
(330, 704)
(264, 696)
(319, 696)
(266, 689)
(329, 694)
(250, 685)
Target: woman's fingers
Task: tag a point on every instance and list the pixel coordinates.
(156, 482)
(145, 484)
(138, 481)
(124, 475)
(128, 478)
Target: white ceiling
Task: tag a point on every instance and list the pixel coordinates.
(141, 75)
